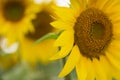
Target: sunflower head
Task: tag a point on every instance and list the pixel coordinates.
(15, 13)
(42, 21)
(13, 10)
(42, 27)
(93, 32)
(90, 37)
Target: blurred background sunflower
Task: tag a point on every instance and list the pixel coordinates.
(22, 23)
(13, 14)
(39, 52)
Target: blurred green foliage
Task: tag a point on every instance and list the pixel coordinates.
(24, 71)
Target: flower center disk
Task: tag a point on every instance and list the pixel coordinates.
(13, 10)
(93, 33)
(41, 25)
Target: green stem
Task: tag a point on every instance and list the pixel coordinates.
(19, 55)
(68, 77)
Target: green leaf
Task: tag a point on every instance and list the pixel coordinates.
(21, 72)
(48, 36)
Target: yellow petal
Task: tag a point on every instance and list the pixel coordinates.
(61, 25)
(111, 5)
(109, 69)
(71, 62)
(116, 30)
(76, 7)
(114, 49)
(91, 72)
(65, 41)
(92, 3)
(75, 4)
(83, 4)
(66, 38)
(62, 53)
(113, 60)
(81, 69)
(114, 15)
(101, 3)
(100, 73)
(64, 13)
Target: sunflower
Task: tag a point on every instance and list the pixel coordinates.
(90, 37)
(39, 52)
(15, 18)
